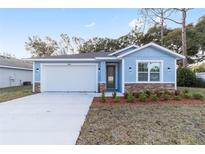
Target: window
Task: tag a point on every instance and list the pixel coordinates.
(149, 71)
(143, 71)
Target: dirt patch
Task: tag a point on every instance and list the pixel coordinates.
(139, 123)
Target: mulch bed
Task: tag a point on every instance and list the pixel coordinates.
(110, 100)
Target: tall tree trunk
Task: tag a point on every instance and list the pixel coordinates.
(184, 42)
(162, 27)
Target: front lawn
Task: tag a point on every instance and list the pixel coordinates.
(144, 124)
(10, 93)
(193, 90)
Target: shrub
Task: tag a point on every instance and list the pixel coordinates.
(177, 98)
(114, 94)
(148, 93)
(136, 95)
(154, 97)
(177, 92)
(125, 95)
(103, 98)
(185, 77)
(143, 97)
(116, 99)
(197, 96)
(130, 97)
(187, 95)
(165, 97)
(158, 93)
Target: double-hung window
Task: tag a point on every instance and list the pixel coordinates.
(149, 71)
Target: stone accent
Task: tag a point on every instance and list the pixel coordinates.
(37, 87)
(139, 87)
(101, 87)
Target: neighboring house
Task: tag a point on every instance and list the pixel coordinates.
(13, 72)
(134, 68)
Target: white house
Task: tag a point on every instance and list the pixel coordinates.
(13, 72)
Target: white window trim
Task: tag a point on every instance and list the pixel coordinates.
(161, 71)
(63, 64)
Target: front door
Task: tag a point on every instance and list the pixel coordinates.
(110, 77)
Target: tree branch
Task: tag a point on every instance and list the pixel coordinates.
(166, 18)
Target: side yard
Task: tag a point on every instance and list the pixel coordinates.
(10, 93)
(193, 90)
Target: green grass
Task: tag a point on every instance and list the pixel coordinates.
(193, 90)
(144, 124)
(10, 93)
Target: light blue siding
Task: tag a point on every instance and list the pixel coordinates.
(149, 53)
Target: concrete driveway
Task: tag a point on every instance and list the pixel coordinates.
(45, 118)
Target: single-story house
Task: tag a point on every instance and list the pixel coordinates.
(13, 72)
(133, 68)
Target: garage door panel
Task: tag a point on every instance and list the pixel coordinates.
(69, 78)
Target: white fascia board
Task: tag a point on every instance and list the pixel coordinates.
(106, 58)
(118, 51)
(20, 68)
(179, 56)
(64, 59)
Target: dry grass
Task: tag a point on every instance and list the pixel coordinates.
(193, 90)
(144, 124)
(10, 93)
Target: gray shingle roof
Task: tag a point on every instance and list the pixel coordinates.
(12, 62)
(80, 55)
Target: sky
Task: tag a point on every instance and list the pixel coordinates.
(16, 25)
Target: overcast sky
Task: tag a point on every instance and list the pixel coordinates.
(16, 25)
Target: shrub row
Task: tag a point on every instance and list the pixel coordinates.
(154, 96)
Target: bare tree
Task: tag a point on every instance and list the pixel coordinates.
(183, 12)
(158, 16)
(68, 45)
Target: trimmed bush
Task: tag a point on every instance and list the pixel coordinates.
(114, 94)
(102, 97)
(154, 97)
(130, 97)
(116, 99)
(177, 98)
(185, 77)
(197, 96)
(143, 97)
(165, 97)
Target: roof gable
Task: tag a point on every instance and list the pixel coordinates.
(179, 56)
(118, 52)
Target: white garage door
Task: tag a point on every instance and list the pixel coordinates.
(75, 77)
